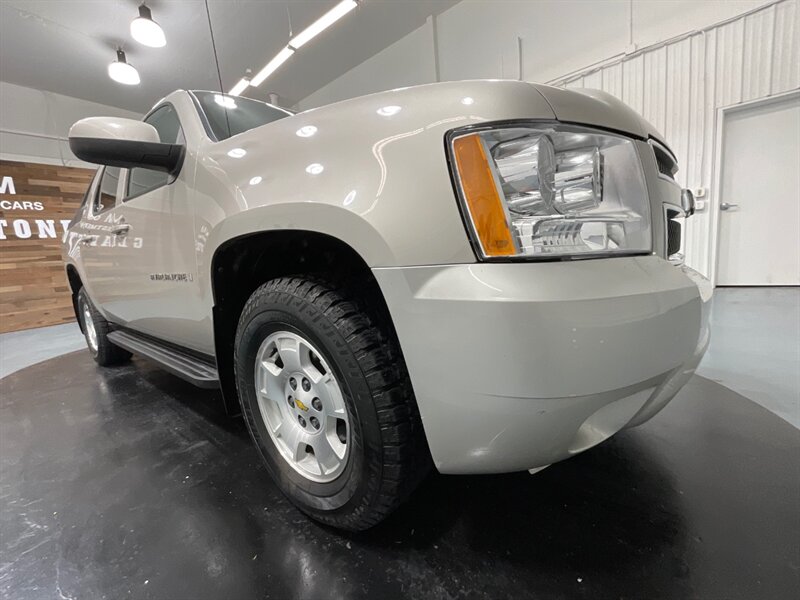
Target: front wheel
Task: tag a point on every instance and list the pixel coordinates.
(328, 402)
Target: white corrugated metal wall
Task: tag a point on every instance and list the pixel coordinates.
(678, 85)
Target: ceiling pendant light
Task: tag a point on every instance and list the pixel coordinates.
(121, 72)
(146, 31)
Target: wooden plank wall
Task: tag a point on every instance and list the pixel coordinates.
(34, 291)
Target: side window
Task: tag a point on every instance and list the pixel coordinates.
(82, 208)
(106, 195)
(166, 122)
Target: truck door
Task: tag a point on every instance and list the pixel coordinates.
(156, 269)
(95, 242)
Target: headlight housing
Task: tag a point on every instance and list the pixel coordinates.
(550, 190)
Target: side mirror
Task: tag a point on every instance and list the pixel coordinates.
(125, 143)
(687, 202)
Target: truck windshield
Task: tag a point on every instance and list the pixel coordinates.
(226, 116)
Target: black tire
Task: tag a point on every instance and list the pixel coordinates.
(388, 455)
(106, 354)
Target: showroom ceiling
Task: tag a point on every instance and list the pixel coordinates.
(65, 46)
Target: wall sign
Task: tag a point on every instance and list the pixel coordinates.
(37, 202)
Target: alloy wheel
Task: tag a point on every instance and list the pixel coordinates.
(302, 406)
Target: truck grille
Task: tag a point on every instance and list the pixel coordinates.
(675, 220)
(667, 165)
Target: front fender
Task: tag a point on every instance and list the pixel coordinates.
(319, 218)
(371, 171)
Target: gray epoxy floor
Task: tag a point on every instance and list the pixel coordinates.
(755, 346)
(129, 483)
(20, 349)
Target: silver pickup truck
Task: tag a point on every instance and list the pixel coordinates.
(481, 276)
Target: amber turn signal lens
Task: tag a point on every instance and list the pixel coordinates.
(480, 193)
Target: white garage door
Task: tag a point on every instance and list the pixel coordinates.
(759, 219)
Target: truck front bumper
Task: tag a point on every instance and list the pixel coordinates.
(519, 365)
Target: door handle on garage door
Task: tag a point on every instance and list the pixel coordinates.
(121, 229)
(726, 206)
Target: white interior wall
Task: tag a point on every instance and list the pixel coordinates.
(34, 124)
(479, 39)
(627, 47)
(409, 61)
(681, 85)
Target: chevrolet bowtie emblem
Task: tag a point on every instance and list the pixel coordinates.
(300, 405)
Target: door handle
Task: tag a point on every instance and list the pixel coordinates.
(87, 241)
(121, 229)
(726, 206)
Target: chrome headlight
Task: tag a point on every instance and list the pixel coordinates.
(550, 190)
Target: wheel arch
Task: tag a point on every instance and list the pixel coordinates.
(241, 264)
(75, 285)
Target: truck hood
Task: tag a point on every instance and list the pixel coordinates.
(506, 99)
(599, 108)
